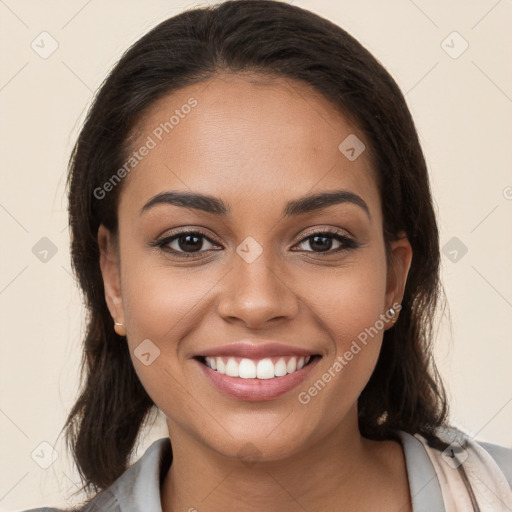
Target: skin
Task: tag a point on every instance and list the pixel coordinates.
(257, 143)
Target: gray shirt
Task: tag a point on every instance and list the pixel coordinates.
(138, 488)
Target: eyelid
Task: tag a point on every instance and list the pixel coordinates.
(331, 230)
(336, 233)
(348, 241)
(173, 235)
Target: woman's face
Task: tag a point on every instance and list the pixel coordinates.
(258, 290)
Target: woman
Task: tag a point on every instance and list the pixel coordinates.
(253, 230)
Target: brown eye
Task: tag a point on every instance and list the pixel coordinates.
(322, 242)
(185, 244)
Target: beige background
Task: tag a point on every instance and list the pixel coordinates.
(463, 110)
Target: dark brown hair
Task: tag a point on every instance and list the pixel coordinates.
(272, 38)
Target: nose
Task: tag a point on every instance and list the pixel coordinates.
(257, 292)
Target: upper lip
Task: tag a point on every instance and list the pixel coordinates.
(251, 349)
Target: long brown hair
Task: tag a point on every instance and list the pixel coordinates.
(269, 37)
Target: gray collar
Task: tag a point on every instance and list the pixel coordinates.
(138, 488)
(423, 482)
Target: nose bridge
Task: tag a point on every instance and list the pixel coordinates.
(256, 290)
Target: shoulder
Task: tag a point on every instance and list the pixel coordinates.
(481, 450)
(502, 456)
(44, 509)
(138, 488)
(75, 508)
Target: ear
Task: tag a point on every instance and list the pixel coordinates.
(398, 269)
(110, 270)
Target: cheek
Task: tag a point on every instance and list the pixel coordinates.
(347, 304)
(162, 303)
(347, 300)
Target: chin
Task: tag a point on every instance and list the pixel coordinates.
(252, 443)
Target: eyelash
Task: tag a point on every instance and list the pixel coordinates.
(349, 243)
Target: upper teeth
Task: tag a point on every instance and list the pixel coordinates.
(261, 369)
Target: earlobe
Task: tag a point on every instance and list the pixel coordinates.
(110, 271)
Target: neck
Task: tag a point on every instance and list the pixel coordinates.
(335, 473)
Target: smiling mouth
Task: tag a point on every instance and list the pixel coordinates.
(263, 369)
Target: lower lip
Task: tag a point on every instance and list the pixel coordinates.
(256, 390)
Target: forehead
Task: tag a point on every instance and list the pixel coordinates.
(246, 138)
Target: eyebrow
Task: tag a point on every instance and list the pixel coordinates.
(216, 206)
